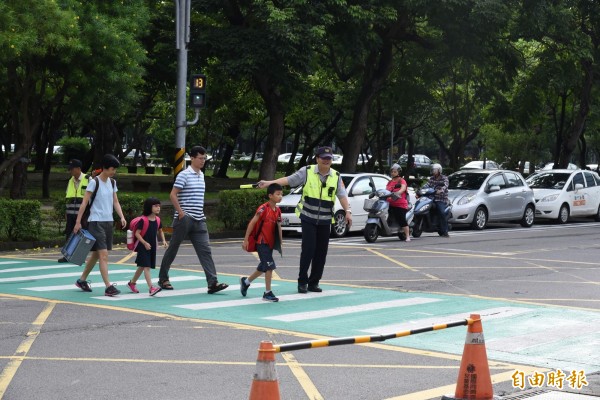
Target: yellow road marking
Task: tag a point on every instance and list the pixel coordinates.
(303, 379)
(11, 368)
(405, 266)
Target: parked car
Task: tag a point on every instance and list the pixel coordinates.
(358, 188)
(478, 164)
(421, 164)
(550, 165)
(285, 157)
(480, 196)
(257, 157)
(562, 193)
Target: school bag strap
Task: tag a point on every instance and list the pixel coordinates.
(145, 224)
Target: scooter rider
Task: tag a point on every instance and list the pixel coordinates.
(398, 203)
(439, 182)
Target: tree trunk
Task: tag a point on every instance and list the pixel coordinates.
(273, 102)
(576, 129)
(232, 132)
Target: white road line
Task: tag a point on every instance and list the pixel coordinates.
(142, 281)
(486, 315)
(332, 312)
(259, 300)
(65, 275)
(170, 293)
(12, 262)
(551, 332)
(38, 268)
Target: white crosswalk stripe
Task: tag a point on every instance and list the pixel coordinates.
(124, 283)
(332, 312)
(259, 300)
(38, 268)
(168, 293)
(11, 262)
(63, 275)
(486, 315)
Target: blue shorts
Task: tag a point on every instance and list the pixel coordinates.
(265, 254)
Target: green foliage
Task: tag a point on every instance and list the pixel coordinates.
(132, 205)
(73, 147)
(59, 213)
(20, 219)
(236, 207)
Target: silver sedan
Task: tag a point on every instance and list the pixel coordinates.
(482, 196)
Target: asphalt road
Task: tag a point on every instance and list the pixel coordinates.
(536, 289)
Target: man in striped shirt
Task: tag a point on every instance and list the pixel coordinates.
(187, 197)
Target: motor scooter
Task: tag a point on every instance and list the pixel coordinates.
(426, 218)
(379, 220)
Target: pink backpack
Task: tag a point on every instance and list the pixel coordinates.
(133, 227)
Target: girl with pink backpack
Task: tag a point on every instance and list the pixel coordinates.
(146, 229)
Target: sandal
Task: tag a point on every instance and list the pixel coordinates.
(165, 285)
(217, 287)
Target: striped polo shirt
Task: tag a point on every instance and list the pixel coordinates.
(191, 193)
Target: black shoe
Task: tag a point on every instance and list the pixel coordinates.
(111, 291)
(243, 286)
(444, 235)
(303, 288)
(62, 260)
(83, 285)
(314, 288)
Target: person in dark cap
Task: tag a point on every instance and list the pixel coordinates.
(322, 185)
(74, 196)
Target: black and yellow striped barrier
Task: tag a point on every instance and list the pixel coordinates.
(366, 339)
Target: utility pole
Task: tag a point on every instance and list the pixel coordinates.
(182, 39)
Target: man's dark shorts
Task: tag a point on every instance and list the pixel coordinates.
(103, 233)
(265, 254)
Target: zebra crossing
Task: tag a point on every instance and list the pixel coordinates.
(548, 337)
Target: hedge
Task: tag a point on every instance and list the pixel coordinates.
(237, 207)
(20, 219)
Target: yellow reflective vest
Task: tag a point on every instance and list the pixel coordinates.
(75, 197)
(318, 197)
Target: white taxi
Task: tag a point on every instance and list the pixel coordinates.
(564, 193)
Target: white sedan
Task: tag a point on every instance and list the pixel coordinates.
(563, 193)
(358, 187)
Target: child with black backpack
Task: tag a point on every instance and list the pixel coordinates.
(145, 229)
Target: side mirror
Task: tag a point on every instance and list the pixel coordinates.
(493, 188)
(578, 186)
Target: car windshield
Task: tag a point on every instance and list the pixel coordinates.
(466, 181)
(548, 181)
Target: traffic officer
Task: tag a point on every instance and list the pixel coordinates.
(74, 196)
(322, 185)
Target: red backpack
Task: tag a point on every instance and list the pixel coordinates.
(133, 227)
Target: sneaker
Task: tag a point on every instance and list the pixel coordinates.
(243, 286)
(111, 291)
(132, 287)
(269, 296)
(83, 285)
(154, 290)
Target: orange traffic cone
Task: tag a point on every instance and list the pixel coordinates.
(474, 380)
(264, 384)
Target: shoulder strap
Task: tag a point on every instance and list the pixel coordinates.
(260, 225)
(145, 225)
(95, 191)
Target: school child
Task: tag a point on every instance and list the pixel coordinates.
(146, 244)
(103, 188)
(268, 236)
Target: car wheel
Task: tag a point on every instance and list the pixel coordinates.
(597, 216)
(371, 233)
(528, 217)
(480, 219)
(340, 227)
(563, 214)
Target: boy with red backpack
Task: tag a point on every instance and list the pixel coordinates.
(263, 235)
(145, 231)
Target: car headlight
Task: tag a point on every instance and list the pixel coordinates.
(549, 198)
(466, 199)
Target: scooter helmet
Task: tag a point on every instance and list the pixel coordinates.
(436, 166)
(396, 167)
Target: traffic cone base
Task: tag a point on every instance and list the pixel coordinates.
(264, 383)
(474, 381)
